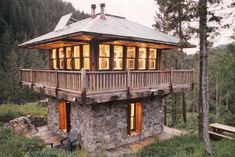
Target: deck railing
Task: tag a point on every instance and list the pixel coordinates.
(95, 81)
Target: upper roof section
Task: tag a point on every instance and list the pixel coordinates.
(96, 27)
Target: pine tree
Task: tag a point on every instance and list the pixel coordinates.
(171, 18)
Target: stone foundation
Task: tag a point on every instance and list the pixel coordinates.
(104, 126)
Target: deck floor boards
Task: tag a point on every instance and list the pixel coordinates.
(48, 136)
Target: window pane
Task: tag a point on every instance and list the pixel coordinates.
(77, 63)
(118, 57)
(68, 64)
(68, 52)
(142, 52)
(130, 64)
(76, 51)
(54, 64)
(53, 54)
(130, 52)
(118, 51)
(141, 63)
(61, 53)
(103, 63)
(152, 64)
(152, 53)
(86, 64)
(61, 63)
(86, 50)
(104, 51)
(117, 64)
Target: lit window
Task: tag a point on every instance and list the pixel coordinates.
(118, 57)
(86, 57)
(68, 58)
(61, 58)
(76, 57)
(131, 54)
(152, 58)
(135, 118)
(142, 58)
(53, 59)
(104, 54)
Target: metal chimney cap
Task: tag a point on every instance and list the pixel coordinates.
(93, 6)
(102, 4)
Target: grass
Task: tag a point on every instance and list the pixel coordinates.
(11, 111)
(187, 146)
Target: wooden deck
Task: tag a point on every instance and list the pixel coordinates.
(103, 86)
(48, 136)
(138, 145)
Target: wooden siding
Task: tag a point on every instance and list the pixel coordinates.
(93, 83)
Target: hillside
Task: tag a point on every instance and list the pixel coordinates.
(21, 20)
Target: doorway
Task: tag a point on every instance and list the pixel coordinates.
(64, 115)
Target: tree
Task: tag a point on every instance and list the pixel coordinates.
(172, 17)
(203, 77)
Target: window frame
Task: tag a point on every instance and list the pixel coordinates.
(104, 57)
(154, 59)
(131, 58)
(122, 58)
(74, 58)
(68, 57)
(52, 59)
(137, 118)
(85, 57)
(140, 58)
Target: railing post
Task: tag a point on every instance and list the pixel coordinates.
(83, 86)
(128, 79)
(56, 81)
(171, 78)
(31, 78)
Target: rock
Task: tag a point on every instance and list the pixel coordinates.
(38, 121)
(22, 126)
(43, 102)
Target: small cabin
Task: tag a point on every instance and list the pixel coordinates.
(105, 79)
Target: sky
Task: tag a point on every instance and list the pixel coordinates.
(140, 11)
(143, 12)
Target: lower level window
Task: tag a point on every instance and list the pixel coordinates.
(135, 118)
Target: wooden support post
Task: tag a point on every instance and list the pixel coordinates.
(31, 78)
(57, 81)
(128, 79)
(83, 86)
(171, 80)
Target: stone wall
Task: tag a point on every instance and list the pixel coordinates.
(53, 115)
(103, 126)
(110, 122)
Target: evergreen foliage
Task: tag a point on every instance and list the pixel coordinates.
(21, 20)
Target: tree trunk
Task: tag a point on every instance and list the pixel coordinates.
(203, 84)
(174, 104)
(165, 112)
(184, 109)
(217, 97)
(227, 101)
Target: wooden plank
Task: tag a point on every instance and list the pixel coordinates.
(138, 117)
(221, 135)
(62, 115)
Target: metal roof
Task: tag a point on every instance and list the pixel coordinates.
(113, 25)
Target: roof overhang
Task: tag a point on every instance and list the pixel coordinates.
(86, 37)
